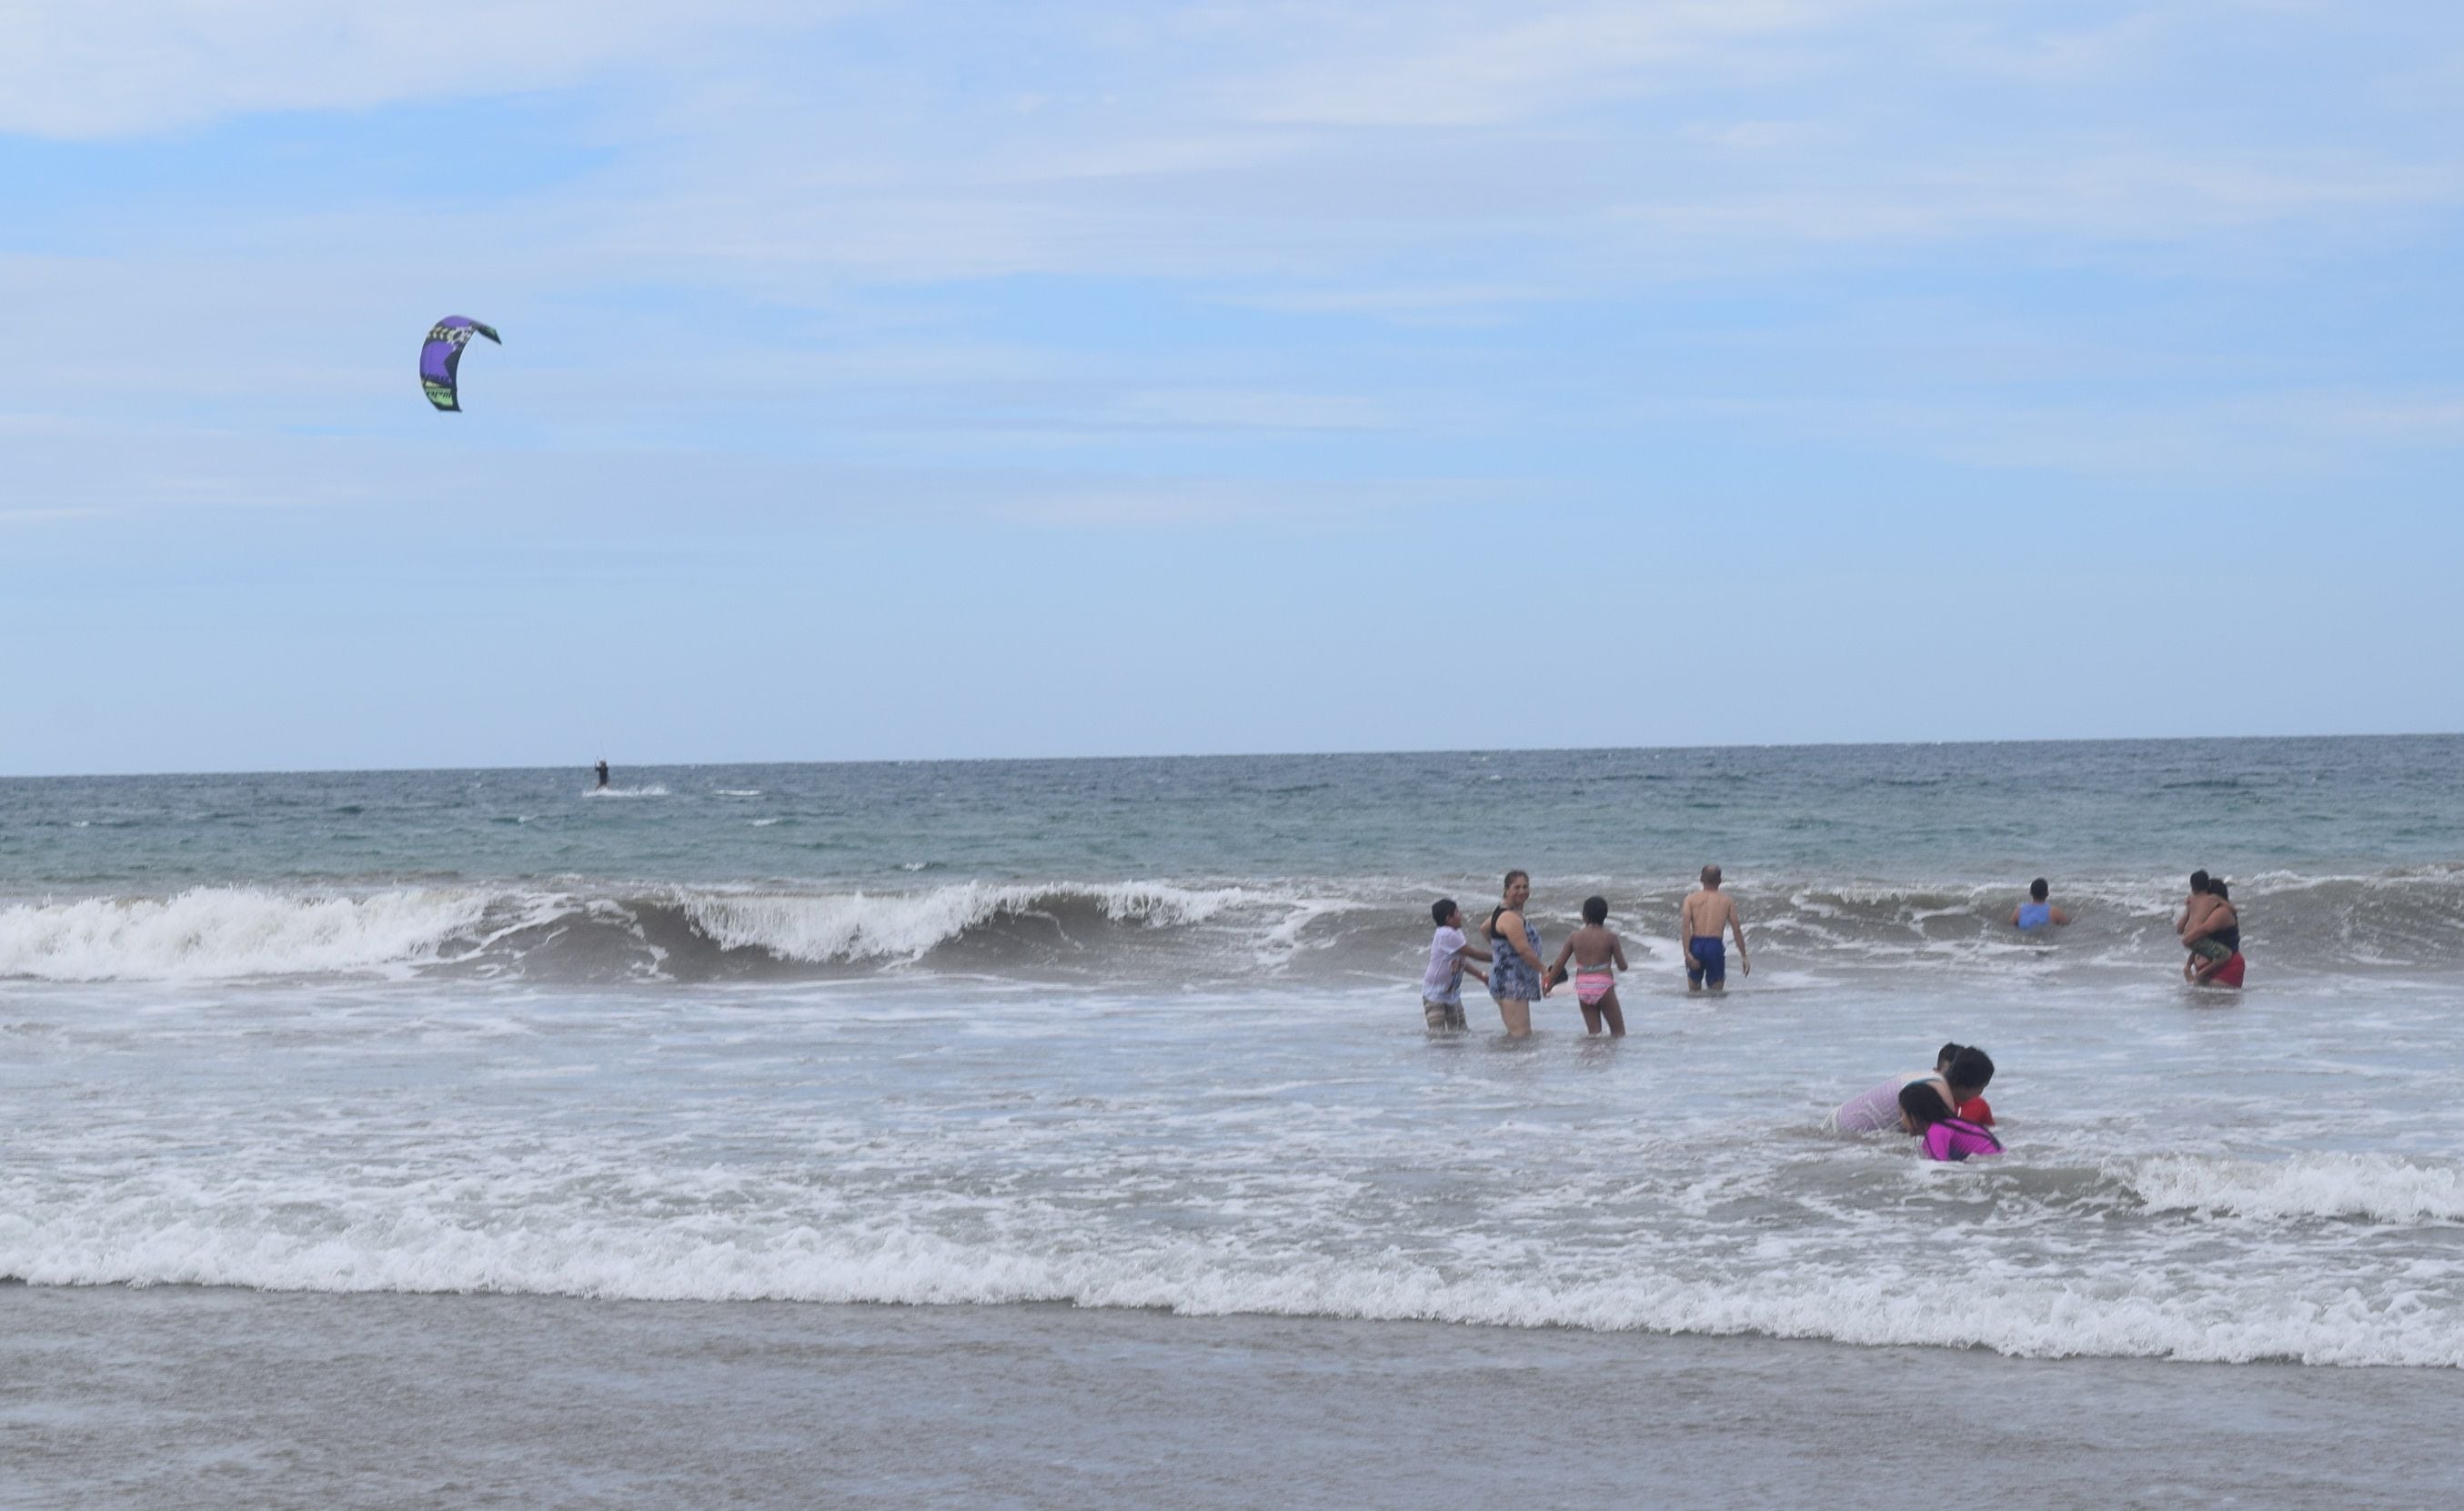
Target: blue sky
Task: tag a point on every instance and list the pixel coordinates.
(1087, 378)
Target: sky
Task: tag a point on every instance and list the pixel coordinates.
(1091, 378)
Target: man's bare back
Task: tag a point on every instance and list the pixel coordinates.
(1708, 913)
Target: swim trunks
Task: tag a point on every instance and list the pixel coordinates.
(1590, 987)
(2211, 948)
(1708, 960)
(1442, 1015)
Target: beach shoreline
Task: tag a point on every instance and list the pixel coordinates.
(208, 1397)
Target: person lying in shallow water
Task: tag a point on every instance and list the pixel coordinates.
(1960, 1075)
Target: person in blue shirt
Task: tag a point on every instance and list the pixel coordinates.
(2036, 913)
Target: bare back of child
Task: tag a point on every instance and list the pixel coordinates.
(1598, 955)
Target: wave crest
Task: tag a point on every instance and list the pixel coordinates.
(210, 932)
(232, 1233)
(226, 932)
(860, 927)
(2376, 1187)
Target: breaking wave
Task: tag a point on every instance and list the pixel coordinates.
(424, 1240)
(213, 932)
(2370, 1188)
(858, 926)
(672, 933)
(1218, 930)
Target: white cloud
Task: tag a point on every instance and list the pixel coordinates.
(1484, 65)
(113, 68)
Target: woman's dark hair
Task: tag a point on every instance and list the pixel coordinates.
(1443, 909)
(1489, 928)
(1923, 1104)
(2038, 889)
(2216, 889)
(1945, 1054)
(1971, 1068)
(1596, 910)
(1924, 1108)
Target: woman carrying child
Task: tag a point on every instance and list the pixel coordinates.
(1599, 956)
(1514, 980)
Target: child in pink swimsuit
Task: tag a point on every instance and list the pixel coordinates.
(1597, 956)
(1924, 1113)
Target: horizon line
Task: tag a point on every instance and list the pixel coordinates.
(1233, 755)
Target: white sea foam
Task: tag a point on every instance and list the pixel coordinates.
(1277, 945)
(427, 1240)
(2378, 1188)
(852, 926)
(209, 932)
(214, 932)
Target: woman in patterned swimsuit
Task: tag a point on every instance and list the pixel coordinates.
(1514, 980)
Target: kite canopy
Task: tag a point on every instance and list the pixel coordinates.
(441, 358)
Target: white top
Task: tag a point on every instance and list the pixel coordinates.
(1442, 982)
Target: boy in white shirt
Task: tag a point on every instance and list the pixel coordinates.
(1441, 985)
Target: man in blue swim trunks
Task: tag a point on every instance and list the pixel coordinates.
(1707, 912)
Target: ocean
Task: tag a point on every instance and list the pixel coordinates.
(697, 1141)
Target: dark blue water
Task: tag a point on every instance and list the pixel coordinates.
(1906, 811)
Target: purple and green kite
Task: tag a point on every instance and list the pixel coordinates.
(441, 358)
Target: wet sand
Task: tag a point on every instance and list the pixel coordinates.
(177, 1396)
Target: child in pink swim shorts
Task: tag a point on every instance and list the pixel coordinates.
(1597, 956)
